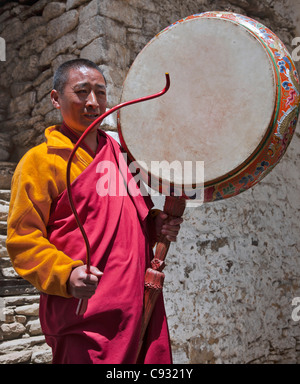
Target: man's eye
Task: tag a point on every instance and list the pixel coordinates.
(81, 91)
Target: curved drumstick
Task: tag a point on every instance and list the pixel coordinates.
(82, 305)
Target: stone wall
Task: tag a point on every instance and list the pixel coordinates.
(232, 275)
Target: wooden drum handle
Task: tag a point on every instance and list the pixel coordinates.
(81, 307)
(154, 277)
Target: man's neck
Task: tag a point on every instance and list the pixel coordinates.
(91, 140)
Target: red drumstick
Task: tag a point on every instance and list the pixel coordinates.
(82, 305)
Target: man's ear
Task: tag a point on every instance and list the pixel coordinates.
(55, 98)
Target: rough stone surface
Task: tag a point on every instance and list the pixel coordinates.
(62, 25)
(21, 339)
(53, 9)
(234, 271)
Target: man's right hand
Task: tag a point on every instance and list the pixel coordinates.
(82, 285)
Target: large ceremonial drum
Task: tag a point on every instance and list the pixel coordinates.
(233, 104)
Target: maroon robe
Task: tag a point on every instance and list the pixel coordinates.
(119, 230)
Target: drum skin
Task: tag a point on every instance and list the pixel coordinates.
(278, 135)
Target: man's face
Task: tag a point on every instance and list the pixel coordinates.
(83, 99)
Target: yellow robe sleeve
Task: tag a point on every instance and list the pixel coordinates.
(34, 258)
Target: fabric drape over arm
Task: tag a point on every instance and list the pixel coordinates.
(34, 186)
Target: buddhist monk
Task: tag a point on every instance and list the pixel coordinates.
(47, 249)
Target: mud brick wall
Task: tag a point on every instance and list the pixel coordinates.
(234, 271)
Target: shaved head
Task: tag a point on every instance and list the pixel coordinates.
(61, 74)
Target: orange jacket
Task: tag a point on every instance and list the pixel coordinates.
(39, 178)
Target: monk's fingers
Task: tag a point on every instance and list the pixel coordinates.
(170, 229)
(84, 291)
(176, 221)
(171, 238)
(95, 271)
(82, 284)
(90, 280)
(170, 235)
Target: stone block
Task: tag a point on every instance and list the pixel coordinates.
(97, 51)
(34, 9)
(53, 10)
(7, 315)
(42, 356)
(21, 300)
(62, 45)
(3, 250)
(16, 357)
(5, 146)
(22, 105)
(61, 59)
(114, 31)
(31, 24)
(74, 3)
(43, 107)
(87, 32)
(114, 76)
(53, 117)
(89, 11)
(62, 25)
(33, 33)
(39, 139)
(44, 88)
(36, 45)
(9, 272)
(122, 12)
(100, 26)
(31, 64)
(6, 172)
(13, 31)
(119, 56)
(18, 89)
(12, 330)
(12, 346)
(33, 327)
(101, 52)
(42, 77)
(148, 5)
(28, 310)
(4, 100)
(21, 319)
(24, 138)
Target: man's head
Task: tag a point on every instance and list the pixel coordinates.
(60, 77)
(79, 92)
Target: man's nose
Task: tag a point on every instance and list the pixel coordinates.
(92, 100)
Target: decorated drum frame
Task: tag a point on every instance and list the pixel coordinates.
(283, 123)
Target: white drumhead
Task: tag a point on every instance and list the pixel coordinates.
(220, 102)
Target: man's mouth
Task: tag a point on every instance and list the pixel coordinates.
(92, 116)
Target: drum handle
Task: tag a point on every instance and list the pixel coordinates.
(82, 305)
(154, 277)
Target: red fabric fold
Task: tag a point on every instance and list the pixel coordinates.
(117, 228)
